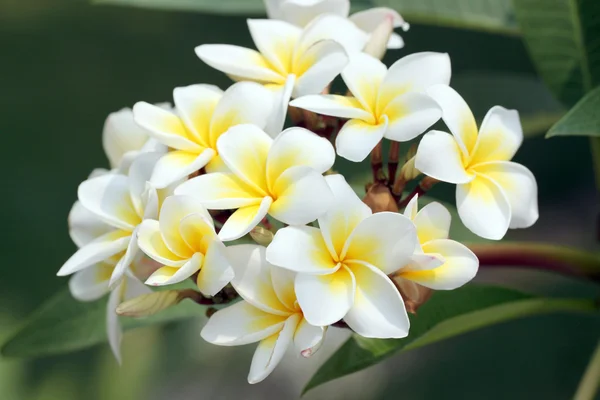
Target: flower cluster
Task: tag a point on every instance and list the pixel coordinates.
(188, 181)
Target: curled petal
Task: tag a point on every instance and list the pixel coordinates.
(113, 328)
(171, 275)
(369, 20)
(91, 283)
(216, 271)
(325, 299)
(378, 310)
(358, 138)
(281, 98)
(151, 242)
(139, 175)
(123, 265)
(244, 219)
(301, 13)
(308, 338)
(439, 156)
(335, 28)
(483, 207)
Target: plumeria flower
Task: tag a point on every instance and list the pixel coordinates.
(438, 263)
(302, 12)
(387, 103)
(123, 139)
(493, 193)
(204, 113)
(289, 59)
(343, 266)
(120, 202)
(92, 283)
(281, 177)
(185, 242)
(269, 313)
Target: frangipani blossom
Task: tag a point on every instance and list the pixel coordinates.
(204, 113)
(438, 263)
(281, 177)
(121, 203)
(92, 283)
(302, 12)
(185, 242)
(493, 193)
(387, 103)
(123, 139)
(269, 314)
(289, 59)
(343, 266)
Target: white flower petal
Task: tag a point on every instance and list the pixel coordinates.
(139, 174)
(276, 41)
(241, 323)
(432, 222)
(325, 299)
(270, 351)
(298, 146)
(457, 116)
(216, 271)
(220, 191)
(242, 103)
(378, 310)
(369, 20)
(244, 219)
(121, 135)
(238, 61)
(301, 249)
(283, 284)
(91, 283)
(412, 208)
(296, 200)
(96, 251)
(358, 138)
(483, 207)
(301, 13)
(500, 136)
(318, 66)
(385, 240)
(440, 157)
(178, 164)
(343, 216)
(165, 127)
(108, 197)
(334, 105)
(113, 328)
(308, 338)
(85, 226)
(151, 242)
(409, 115)
(135, 288)
(363, 76)
(253, 278)
(336, 28)
(519, 187)
(125, 261)
(171, 275)
(281, 98)
(196, 105)
(459, 267)
(197, 231)
(244, 149)
(395, 41)
(173, 210)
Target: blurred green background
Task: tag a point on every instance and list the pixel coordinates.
(66, 64)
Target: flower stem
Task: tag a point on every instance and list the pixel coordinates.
(377, 163)
(423, 187)
(393, 158)
(591, 378)
(542, 256)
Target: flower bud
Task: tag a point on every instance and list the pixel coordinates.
(262, 236)
(151, 303)
(377, 44)
(379, 198)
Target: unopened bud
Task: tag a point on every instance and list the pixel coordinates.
(414, 295)
(151, 303)
(377, 44)
(409, 171)
(379, 198)
(262, 236)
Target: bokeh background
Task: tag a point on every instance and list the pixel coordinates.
(66, 64)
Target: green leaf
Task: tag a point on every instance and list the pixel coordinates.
(446, 314)
(494, 16)
(563, 38)
(63, 324)
(582, 120)
(231, 7)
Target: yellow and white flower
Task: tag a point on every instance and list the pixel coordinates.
(269, 314)
(438, 263)
(302, 12)
(185, 242)
(281, 177)
(387, 103)
(123, 139)
(203, 114)
(289, 59)
(343, 266)
(121, 203)
(493, 193)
